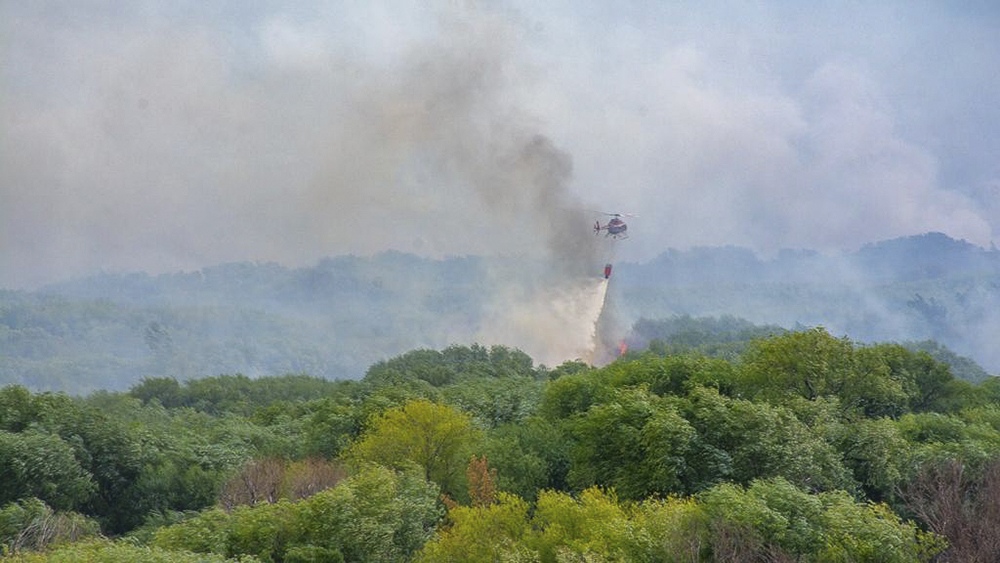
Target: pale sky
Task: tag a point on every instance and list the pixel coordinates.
(172, 135)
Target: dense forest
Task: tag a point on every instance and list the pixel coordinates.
(734, 428)
(336, 318)
(332, 320)
(920, 288)
(775, 446)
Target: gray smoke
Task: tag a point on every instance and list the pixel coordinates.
(144, 141)
(170, 135)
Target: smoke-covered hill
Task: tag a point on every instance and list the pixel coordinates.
(340, 316)
(926, 287)
(331, 320)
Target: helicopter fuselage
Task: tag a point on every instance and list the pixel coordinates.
(615, 228)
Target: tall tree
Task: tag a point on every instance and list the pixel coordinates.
(636, 443)
(438, 438)
(41, 465)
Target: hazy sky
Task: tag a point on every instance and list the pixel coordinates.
(159, 136)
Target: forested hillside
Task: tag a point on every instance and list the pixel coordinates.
(921, 288)
(801, 447)
(332, 320)
(336, 318)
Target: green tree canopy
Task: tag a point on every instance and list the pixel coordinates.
(438, 438)
(636, 443)
(452, 365)
(42, 465)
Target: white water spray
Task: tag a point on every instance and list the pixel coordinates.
(599, 298)
(550, 324)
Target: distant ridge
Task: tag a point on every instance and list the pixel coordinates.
(338, 317)
(926, 256)
(914, 288)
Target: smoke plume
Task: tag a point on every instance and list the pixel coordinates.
(160, 136)
(184, 146)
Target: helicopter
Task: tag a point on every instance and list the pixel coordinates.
(615, 227)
